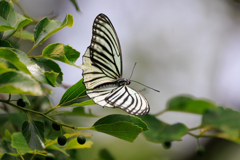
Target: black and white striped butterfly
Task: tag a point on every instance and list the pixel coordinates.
(102, 71)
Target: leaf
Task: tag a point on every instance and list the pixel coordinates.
(77, 111)
(17, 118)
(10, 21)
(126, 127)
(189, 104)
(105, 154)
(227, 121)
(24, 35)
(46, 28)
(73, 144)
(25, 99)
(19, 143)
(61, 52)
(76, 96)
(160, 132)
(74, 2)
(4, 43)
(7, 156)
(7, 135)
(33, 132)
(54, 147)
(51, 70)
(3, 119)
(17, 82)
(44, 70)
(9, 55)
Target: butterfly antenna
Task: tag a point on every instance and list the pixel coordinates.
(133, 70)
(145, 86)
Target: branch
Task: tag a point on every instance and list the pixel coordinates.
(43, 115)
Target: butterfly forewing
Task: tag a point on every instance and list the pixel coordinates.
(92, 74)
(105, 47)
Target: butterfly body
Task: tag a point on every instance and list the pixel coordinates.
(102, 71)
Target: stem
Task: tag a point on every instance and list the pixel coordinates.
(20, 155)
(50, 110)
(19, 6)
(9, 98)
(31, 50)
(43, 115)
(197, 136)
(191, 129)
(33, 155)
(159, 113)
(35, 56)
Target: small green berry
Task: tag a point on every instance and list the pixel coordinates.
(21, 103)
(56, 126)
(167, 145)
(81, 139)
(62, 140)
(49, 156)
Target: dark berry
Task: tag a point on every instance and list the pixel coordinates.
(21, 103)
(200, 151)
(49, 156)
(62, 140)
(81, 139)
(167, 145)
(56, 126)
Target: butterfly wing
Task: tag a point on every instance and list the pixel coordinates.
(122, 97)
(102, 62)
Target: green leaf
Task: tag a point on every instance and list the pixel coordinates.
(105, 154)
(3, 119)
(46, 28)
(61, 52)
(126, 127)
(4, 43)
(77, 111)
(25, 99)
(44, 70)
(24, 35)
(51, 69)
(160, 132)
(17, 118)
(9, 55)
(33, 132)
(74, 2)
(17, 82)
(49, 142)
(73, 144)
(7, 156)
(19, 143)
(10, 21)
(76, 96)
(7, 135)
(189, 104)
(227, 121)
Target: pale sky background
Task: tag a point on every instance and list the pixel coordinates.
(181, 47)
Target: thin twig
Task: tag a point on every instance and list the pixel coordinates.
(159, 113)
(43, 115)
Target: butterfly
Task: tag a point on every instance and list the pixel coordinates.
(102, 71)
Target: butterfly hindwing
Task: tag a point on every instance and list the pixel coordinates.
(128, 99)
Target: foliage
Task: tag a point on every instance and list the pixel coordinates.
(25, 75)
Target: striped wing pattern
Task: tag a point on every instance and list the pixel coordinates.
(122, 97)
(105, 48)
(102, 67)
